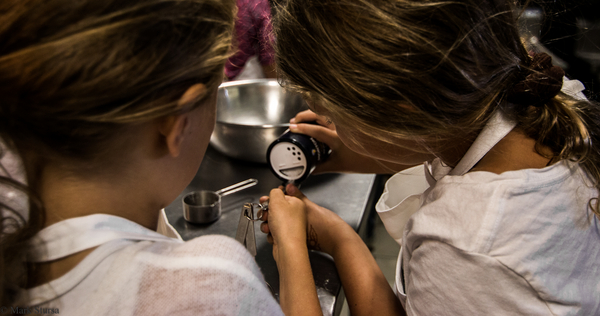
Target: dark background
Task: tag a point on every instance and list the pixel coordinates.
(571, 31)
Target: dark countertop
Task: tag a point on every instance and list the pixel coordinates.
(349, 195)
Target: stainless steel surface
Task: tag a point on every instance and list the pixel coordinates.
(204, 206)
(251, 114)
(348, 195)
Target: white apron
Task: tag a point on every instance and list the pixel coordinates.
(404, 192)
(107, 232)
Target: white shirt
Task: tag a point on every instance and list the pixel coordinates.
(519, 243)
(136, 271)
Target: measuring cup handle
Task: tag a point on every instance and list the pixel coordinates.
(237, 187)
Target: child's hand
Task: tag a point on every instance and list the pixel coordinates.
(342, 159)
(323, 227)
(285, 222)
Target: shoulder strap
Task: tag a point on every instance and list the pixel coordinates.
(77, 234)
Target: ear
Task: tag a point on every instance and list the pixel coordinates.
(173, 129)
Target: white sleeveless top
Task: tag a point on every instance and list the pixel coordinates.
(522, 242)
(136, 271)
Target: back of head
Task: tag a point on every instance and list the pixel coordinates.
(427, 70)
(435, 58)
(73, 74)
(69, 70)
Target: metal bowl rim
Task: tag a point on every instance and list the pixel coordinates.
(254, 126)
(248, 82)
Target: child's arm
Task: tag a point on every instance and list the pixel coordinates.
(366, 288)
(297, 290)
(287, 233)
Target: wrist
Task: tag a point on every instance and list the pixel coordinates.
(290, 253)
(292, 240)
(292, 247)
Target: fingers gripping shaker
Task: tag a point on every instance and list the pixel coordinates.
(292, 157)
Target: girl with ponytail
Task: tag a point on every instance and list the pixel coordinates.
(495, 199)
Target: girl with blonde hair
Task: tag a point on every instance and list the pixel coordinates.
(106, 110)
(501, 219)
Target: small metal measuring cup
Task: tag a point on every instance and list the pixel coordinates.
(201, 207)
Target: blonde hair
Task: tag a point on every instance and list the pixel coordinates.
(76, 74)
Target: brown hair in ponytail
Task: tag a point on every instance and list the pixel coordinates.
(425, 70)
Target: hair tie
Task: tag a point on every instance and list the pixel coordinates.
(542, 83)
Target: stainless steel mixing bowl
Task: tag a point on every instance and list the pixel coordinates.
(251, 114)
